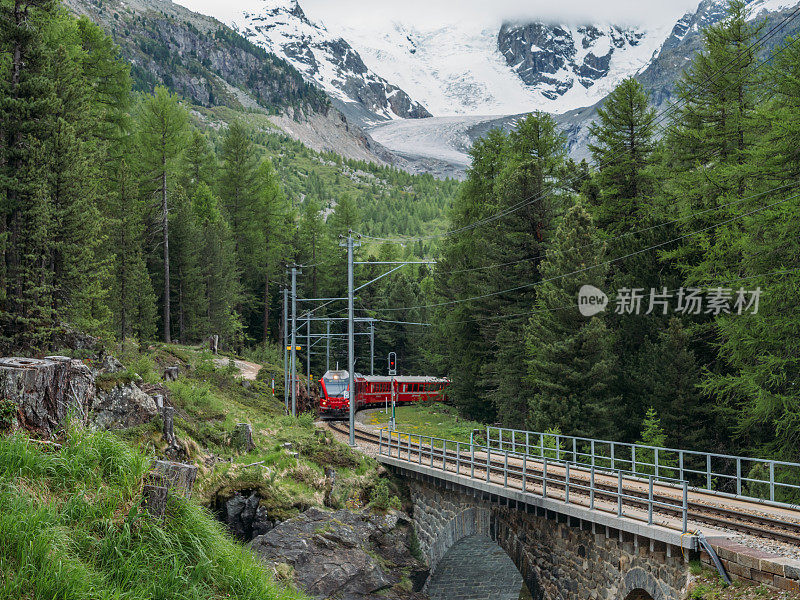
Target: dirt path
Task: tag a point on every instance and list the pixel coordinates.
(247, 370)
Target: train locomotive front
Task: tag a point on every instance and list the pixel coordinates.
(335, 400)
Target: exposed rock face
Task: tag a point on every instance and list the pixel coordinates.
(47, 390)
(344, 554)
(123, 406)
(244, 515)
(555, 57)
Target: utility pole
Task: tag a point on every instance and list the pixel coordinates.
(308, 349)
(372, 347)
(327, 346)
(350, 338)
(294, 339)
(286, 350)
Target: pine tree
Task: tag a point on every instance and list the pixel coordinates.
(26, 99)
(217, 259)
(623, 150)
(186, 276)
(570, 359)
(162, 128)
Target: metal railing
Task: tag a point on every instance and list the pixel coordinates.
(738, 476)
(569, 482)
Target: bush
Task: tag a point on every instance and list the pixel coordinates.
(381, 499)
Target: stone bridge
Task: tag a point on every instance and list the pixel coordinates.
(472, 532)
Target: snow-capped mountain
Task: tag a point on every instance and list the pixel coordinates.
(281, 27)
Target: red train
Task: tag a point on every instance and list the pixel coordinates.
(374, 390)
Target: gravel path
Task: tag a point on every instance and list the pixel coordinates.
(247, 370)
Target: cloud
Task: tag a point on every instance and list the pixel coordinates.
(430, 14)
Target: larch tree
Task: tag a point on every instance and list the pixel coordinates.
(162, 129)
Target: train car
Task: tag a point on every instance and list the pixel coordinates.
(374, 391)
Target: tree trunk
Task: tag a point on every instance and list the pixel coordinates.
(266, 306)
(165, 227)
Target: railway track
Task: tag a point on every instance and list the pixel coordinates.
(757, 525)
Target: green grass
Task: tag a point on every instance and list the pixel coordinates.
(72, 528)
(429, 419)
(210, 401)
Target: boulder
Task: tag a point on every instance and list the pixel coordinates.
(342, 554)
(123, 406)
(244, 515)
(46, 390)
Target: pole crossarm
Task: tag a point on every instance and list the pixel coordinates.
(396, 262)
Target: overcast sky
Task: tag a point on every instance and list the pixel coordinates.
(426, 13)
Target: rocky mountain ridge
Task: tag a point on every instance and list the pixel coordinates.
(282, 28)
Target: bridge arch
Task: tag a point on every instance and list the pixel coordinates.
(638, 584)
(481, 521)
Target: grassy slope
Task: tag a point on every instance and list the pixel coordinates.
(429, 419)
(72, 528)
(70, 521)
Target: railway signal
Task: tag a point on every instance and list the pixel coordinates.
(392, 363)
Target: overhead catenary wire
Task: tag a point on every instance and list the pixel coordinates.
(657, 120)
(590, 267)
(624, 235)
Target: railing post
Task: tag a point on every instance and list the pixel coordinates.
(544, 478)
(633, 458)
(708, 471)
(619, 493)
(380, 442)
(444, 455)
(558, 447)
(650, 502)
(738, 476)
(680, 464)
(431, 451)
(612, 455)
(525, 472)
(500, 439)
(591, 489)
(419, 443)
(458, 457)
(772, 481)
(541, 445)
(513, 441)
(592, 451)
(488, 462)
(472, 461)
(527, 443)
(409, 447)
(505, 470)
(656, 461)
(566, 485)
(685, 506)
(575, 450)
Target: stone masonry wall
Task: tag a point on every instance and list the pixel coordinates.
(557, 560)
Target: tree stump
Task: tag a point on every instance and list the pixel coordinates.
(171, 373)
(242, 437)
(47, 390)
(213, 344)
(168, 426)
(154, 495)
(178, 477)
(330, 483)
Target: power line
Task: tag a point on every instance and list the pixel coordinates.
(657, 119)
(590, 267)
(572, 306)
(624, 235)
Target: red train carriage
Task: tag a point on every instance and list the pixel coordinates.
(373, 390)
